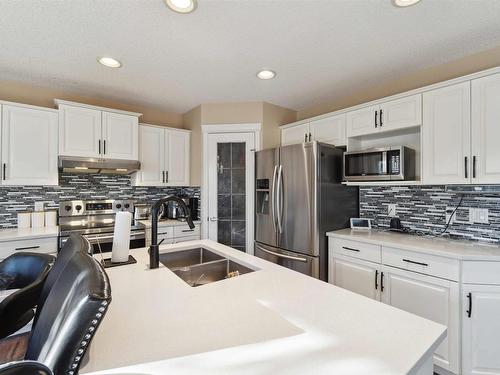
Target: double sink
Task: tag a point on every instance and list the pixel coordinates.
(200, 266)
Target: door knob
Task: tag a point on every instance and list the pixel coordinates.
(213, 219)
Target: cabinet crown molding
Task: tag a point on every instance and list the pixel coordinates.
(60, 102)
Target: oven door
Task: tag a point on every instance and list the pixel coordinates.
(370, 165)
(103, 242)
(298, 262)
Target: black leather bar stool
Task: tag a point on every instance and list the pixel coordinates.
(24, 368)
(26, 272)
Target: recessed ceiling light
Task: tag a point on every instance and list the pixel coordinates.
(404, 3)
(182, 6)
(266, 74)
(109, 62)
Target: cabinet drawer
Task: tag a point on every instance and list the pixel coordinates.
(40, 245)
(184, 231)
(356, 249)
(481, 272)
(422, 263)
(187, 238)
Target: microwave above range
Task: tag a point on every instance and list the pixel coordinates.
(380, 164)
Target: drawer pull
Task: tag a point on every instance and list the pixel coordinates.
(350, 249)
(187, 230)
(469, 312)
(413, 262)
(27, 248)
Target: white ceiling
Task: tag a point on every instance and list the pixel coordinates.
(321, 49)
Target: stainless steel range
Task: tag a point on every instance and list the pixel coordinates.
(95, 220)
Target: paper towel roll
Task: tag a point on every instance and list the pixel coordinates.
(121, 237)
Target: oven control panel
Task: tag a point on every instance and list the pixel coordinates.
(79, 208)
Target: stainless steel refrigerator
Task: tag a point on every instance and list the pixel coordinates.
(299, 197)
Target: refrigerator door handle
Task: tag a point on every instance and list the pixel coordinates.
(280, 199)
(273, 197)
(281, 255)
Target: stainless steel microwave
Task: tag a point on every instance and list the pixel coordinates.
(380, 164)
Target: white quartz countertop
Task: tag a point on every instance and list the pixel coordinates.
(465, 250)
(165, 223)
(271, 321)
(16, 234)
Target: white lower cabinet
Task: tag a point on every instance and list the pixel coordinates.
(481, 329)
(431, 298)
(357, 276)
(425, 295)
(174, 234)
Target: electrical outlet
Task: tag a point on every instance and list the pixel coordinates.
(479, 215)
(391, 210)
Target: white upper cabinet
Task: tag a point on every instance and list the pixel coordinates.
(329, 130)
(79, 131)
(164, 157)
(120, 134)
(88, 131)
(151, 156)
(480, 329)
(400, 113)
(177, 148)
(446, 135)
(29, 146)
(295, 134)
(362, 121)
(431, 298)
(486, 130)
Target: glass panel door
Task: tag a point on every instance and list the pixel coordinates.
(231, 189)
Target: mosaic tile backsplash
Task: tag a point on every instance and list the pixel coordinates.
(79, 186)
(423, 209)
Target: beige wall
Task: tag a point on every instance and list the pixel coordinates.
(44, 97)
(273, 117)
(269, 115)
(467, 65)
(192, 121)
(231, 113)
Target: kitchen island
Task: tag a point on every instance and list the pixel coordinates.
(271, 321)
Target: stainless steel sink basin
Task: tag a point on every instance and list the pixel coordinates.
(200, 266)
(186, 258)
(206, 273)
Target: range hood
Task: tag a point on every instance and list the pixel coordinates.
(473, 189)
(73, 164)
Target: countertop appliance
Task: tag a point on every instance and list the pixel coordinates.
(380, 164)
(299, 197)
(95, 220)
(173, 211)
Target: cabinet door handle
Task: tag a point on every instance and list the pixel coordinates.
(381, 281)
(4, 168)
(474, 166)
(376, 279)
(163, 176)
(350, 249)
(305, 137)
(166, 176)
(466, 167)
(104, 142)
(413, 262)
(469, 312)
(381, 123)
(376, 114)
(27, 248)
(99, 146)
(309, 137)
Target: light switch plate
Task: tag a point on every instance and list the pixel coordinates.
(391, 210)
